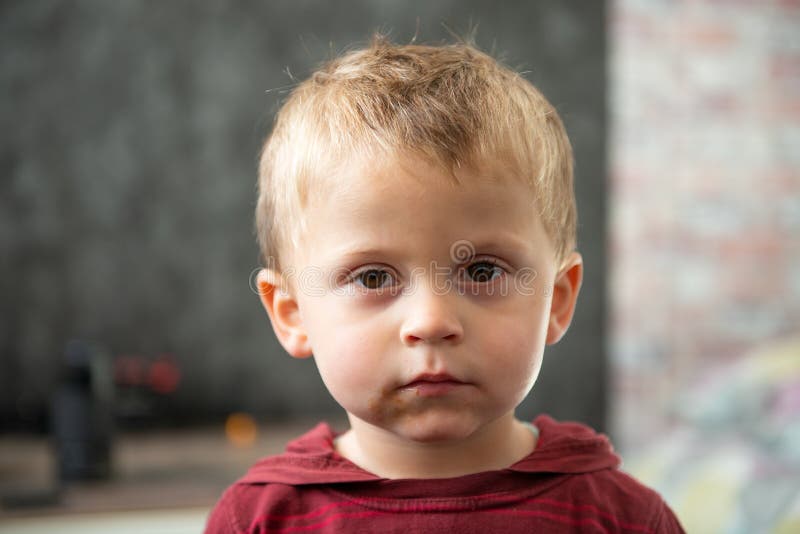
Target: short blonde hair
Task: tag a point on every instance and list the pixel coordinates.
(451, 104)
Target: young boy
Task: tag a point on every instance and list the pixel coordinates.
(417, 218)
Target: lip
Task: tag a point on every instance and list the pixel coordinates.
(433, 385)
(434, 377)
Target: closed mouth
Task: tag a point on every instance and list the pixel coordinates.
(439, 389)
(434, 385)
(428, 378)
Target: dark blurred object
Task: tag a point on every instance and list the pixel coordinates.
(81, 414)
(32, 499)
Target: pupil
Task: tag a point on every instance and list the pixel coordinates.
(481, 272)
(374, 279)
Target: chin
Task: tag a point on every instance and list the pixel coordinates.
(434, 430)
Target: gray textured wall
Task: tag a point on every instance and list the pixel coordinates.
(129, 144)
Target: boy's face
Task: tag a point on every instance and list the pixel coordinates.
(426, 304)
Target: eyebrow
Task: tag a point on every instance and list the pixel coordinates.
(506, 241)
(353, 252)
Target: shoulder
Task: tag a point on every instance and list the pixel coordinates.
(242, 505)
(292, 484)
(618, 499)
(618, 489)
(591, 482)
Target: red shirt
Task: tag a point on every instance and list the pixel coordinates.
(570, 483)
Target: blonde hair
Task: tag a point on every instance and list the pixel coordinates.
(452, 104)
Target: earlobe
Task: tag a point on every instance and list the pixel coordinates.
(284, 313)
(566, 287)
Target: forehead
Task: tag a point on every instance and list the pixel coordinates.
(384, 182)
(411, 203)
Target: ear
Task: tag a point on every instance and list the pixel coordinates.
(284, 313)
(565, 294)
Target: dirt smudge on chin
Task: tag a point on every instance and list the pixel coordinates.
(389, 404)
(392, 405)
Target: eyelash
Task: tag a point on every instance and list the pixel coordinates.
(495, 266)
(357, 275)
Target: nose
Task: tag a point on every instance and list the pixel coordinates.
(431, 318)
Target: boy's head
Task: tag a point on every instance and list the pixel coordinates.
(451, 105)
(419, 199)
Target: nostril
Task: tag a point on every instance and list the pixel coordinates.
(431, 337)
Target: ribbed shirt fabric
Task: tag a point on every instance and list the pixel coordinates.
(571, 482)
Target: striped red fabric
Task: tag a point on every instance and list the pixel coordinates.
(570, 483)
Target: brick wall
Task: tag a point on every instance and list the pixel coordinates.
(704, 194)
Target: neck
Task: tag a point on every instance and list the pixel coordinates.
(498, 445)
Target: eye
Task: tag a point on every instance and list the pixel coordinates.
(373, 279)
(483, 271)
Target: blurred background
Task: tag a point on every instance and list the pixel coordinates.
(139, 375)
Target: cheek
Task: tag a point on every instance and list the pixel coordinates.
(346, 350)
(515, 347)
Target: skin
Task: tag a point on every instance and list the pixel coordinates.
(389, 300)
